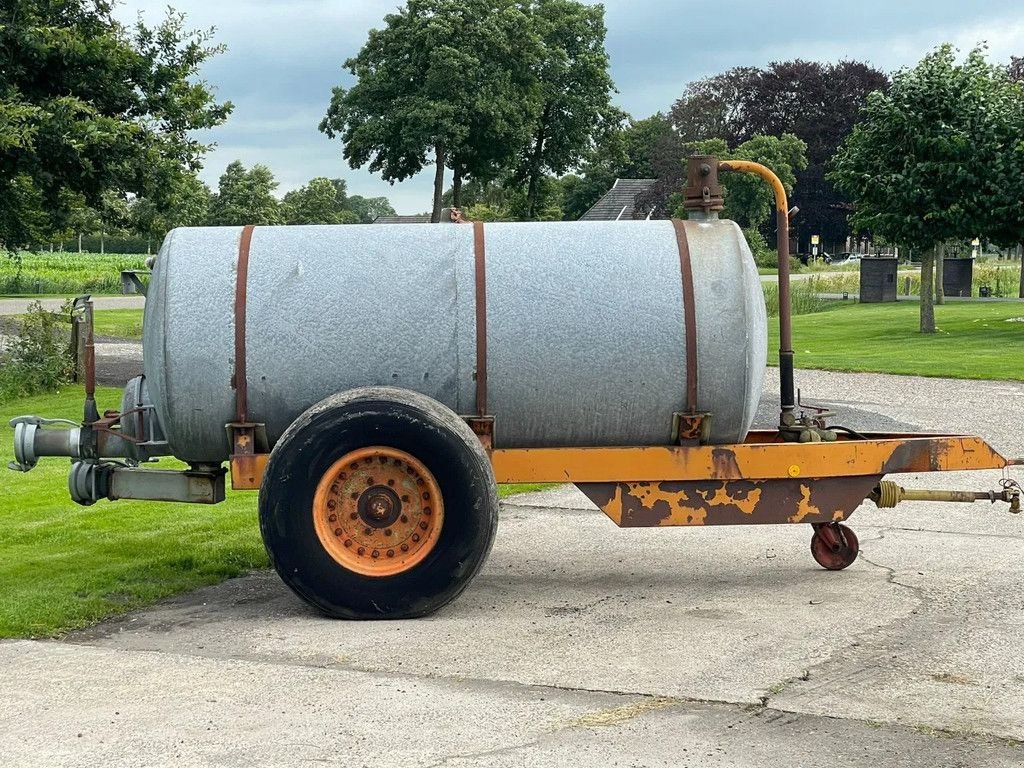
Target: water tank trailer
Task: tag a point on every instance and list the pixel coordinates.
(376, 384)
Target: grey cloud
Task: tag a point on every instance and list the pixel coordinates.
(285, 56)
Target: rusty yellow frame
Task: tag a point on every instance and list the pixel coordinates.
(761, 457)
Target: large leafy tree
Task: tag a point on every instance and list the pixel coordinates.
(369, 209)
(1005, 193)
(245, 197)
(89, 107)
(451, 80)
(920, 165)
(817, 102)
(575, 91)
(322, 201)
(185, 204)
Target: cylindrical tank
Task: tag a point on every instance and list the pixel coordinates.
(585, 327)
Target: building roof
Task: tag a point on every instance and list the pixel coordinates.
(619, 202)
(402, 220)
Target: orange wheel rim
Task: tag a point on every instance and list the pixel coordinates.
(378, 511)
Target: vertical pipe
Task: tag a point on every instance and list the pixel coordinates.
(91, 411)
(787, 386)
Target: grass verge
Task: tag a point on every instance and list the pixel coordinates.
(974, 341)
(64, 567)
(121, 323)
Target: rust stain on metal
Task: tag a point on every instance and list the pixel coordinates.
(723, 461)
(689, 315)
(240, 381)
(756, 459)
(703, 191)
(735, 502)
(247, 470)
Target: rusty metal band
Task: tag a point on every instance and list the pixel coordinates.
(479, 250)
(240, 380)
(689, 315)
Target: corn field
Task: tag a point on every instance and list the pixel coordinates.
(64, 273)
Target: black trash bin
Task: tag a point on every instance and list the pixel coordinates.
(957, 277)
(877, 280)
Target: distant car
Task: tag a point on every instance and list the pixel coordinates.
(847, 258)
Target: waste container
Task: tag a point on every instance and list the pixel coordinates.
(957, 276)
(877, 280)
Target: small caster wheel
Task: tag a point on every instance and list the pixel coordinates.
(834, 546)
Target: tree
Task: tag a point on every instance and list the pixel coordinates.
(1015, 70)
(245, 197)
(88, 107)
(818, 103)
(322, 201)
(440, 78)
(575, 91)
(1004, 213)
(186, 205)
(369, 209)
(918, 166)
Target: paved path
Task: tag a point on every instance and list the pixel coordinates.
(917, 299)
(20, 306)
(580, 644)
(796, 276)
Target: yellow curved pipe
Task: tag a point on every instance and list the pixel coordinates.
(766, 173)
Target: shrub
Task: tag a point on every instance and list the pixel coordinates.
(765, 257)
(38, 357)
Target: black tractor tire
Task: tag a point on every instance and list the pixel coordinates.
(400, 420)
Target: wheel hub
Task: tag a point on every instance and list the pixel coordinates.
(378, 511)
(379, 507)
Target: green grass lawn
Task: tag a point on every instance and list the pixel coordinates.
(63, 566)
(974, 340)
(122, 323)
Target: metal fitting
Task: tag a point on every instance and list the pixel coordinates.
(31, 441)
(703, 190)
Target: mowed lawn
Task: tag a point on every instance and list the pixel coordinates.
(974, 340)
(63, 566)
(122, 323)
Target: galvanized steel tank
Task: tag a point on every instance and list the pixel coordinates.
(585, 327)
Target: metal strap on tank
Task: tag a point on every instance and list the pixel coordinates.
(689, 315)
(240, 381)
(479, 250)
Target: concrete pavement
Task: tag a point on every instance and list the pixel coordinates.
(580, 643)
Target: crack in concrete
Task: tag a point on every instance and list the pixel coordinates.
(833, 657)
(917, 592)
(646, 704)
(965, 534)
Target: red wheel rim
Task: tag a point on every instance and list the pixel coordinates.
(837, 554)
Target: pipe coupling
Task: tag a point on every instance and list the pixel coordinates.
(31, 441)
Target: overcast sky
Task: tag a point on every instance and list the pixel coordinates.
(284, 56)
